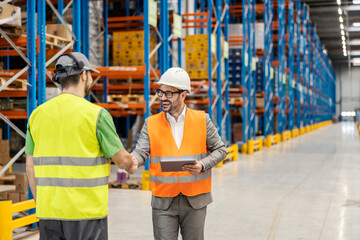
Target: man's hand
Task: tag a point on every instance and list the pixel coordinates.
(134, 166)
(194, 169)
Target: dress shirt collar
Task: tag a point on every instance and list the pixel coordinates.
(181, 116)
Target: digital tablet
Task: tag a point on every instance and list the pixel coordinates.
(174, 165)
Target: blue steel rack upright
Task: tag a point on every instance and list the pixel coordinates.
(268, 79)
(298, 65)
(281, 76)
(246, 69)
(291, 81)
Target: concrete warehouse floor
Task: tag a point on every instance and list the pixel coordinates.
(305, 188)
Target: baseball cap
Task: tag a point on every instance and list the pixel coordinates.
(72, 64)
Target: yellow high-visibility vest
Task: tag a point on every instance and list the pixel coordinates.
(70, 168)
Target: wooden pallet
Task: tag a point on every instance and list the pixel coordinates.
(12, 30)
(133, 183)
(53, 41)
(18, 84)
(134, 98)
(7, 180)
(197, 97)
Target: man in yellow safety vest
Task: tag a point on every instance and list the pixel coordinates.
(68, 143)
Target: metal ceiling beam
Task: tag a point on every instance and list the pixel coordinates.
(334, 9)
(331, 43)
(355, 53)
(317, 18)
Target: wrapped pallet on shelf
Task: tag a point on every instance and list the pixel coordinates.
(196, 51)
(128, 48)
(235, 63)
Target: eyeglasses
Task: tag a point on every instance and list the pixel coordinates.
(168, 94)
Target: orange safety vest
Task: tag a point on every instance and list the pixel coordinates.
(193, 146)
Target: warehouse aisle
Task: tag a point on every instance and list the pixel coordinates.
(305, 188)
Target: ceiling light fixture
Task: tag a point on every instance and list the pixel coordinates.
(342, 33)
(341, 19)
(343, 38)
(356, 1)
(339, 11)
(339, 2)
(341, 26)
(356, 24)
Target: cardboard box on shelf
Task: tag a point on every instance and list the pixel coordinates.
(260, 103)
(59, 30)
(23, 196)
(4, 146)
(237, 132)
(14, 197)
(21, 182)
(4, 195)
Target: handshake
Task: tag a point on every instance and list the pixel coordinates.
(134, 165)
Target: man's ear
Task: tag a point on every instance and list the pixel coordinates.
(83, 76)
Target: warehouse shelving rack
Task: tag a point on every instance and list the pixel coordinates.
(269, 73)
(291, 59)
(299, 54)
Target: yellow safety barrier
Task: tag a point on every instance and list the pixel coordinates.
(277, 138)
(271, 140)
(295, 133)
(302, 131)
(7, 224)
(244, 148)
(232, 153)
(286, 135)
(254, 145)
(307, 129)
(146, 180)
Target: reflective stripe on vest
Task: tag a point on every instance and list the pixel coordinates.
(163, 147)
(70, 170)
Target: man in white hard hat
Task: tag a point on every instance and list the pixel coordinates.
(179, 199)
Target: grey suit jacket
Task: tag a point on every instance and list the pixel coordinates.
(217, 153)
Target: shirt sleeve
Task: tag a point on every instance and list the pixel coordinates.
(29, 142)
(108, 138)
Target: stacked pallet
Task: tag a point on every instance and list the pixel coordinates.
(260, 75)
(235, 66)
(128, 48)
(197, 63)
(19, 181)
(4, 151)
(18, 185)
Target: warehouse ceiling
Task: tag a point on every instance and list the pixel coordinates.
(325, 14)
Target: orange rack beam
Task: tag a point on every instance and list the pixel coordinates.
(15, 114)
(13, 93)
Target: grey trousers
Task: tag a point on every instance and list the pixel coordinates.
(191, 221)
(74, 230)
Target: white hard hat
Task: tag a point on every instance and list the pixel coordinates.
(176, 77)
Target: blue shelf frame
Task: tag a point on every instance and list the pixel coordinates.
(291, 81)
(268, 70)
(281, 75)
(246, 70)
(298, 63)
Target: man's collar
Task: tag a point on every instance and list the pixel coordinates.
(183, 113)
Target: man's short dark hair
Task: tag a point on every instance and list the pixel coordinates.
(70, 80)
